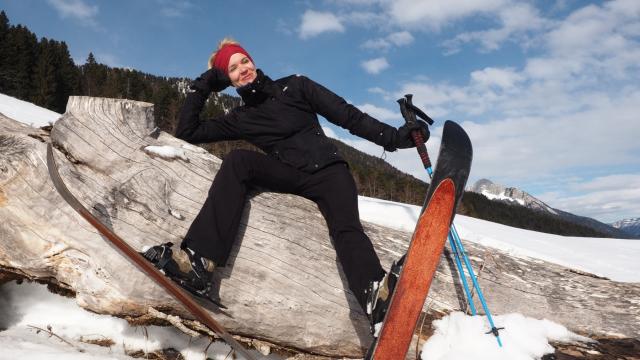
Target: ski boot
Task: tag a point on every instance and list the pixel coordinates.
(379, 296)
(189, 270)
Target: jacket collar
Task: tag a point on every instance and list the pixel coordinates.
(259, 90)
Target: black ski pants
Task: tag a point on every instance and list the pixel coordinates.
(215, 228)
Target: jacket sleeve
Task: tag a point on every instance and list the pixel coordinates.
(193, 130)
(335, 109)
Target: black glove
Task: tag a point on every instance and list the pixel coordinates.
(403, 138)
(211, 80)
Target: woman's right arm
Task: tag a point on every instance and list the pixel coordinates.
(190, 128)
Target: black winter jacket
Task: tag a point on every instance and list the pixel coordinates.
(279, 117)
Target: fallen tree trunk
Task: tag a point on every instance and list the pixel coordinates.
(283, 283)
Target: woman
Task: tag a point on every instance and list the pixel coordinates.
(280, 118)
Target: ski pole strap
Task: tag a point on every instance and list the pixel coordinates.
(409, 112)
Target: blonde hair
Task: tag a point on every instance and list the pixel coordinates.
(223, 42)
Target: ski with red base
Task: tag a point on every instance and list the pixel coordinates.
(427, 244)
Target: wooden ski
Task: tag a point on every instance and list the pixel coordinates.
(427, 244)
(176, 291)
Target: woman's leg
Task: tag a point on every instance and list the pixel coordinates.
(215, 228)
(334, 190)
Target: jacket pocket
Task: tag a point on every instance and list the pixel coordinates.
(294, 151)
(294, 157)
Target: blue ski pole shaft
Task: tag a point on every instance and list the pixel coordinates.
(476, 285)
(456, 256)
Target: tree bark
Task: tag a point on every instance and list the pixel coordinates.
(283, 283)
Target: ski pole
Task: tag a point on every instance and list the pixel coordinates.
(456, 256)
(494, 329)
(409, 112)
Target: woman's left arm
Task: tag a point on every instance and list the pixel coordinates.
(335, 109)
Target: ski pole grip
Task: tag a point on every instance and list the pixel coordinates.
(422, 149)
(409, 115)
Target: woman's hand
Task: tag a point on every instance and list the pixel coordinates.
(403, 138)
(211, 80)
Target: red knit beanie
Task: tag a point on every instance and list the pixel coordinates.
(221, 60)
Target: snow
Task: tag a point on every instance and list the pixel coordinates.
(25, 306)
(457, 336)
(166, 152)
(501, 196)
(616, 259)
(26, 112)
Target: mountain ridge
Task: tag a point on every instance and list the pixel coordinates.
(630, 226)
(515, 196)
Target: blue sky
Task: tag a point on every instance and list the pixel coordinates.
(548, 91)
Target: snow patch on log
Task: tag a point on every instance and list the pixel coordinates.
(166, 152)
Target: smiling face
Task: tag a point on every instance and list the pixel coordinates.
(241, 70)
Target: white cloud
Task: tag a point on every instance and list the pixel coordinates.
(429, 97)
(315, 23)
(375, 66)
(518, 22)
(402, 15)
(538, 146)
(378, 90)
(581, 29)
(175, 8)
(610, 182)
(399, 16)
(495, 77)
(401, 38)
(376, 44)
(356, 2)
(601, 38)
(437, 13)
(398, 39)
(382, 114)
(536, 149)
(366, 19)
(77, 9)
(609, 198)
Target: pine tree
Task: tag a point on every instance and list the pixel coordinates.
(4, 25)
(4, 53)
(67, 77)
(90, 74)
(24, 46)
(44, 77)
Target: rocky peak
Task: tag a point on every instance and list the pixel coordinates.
(499, 192)
(630, 226)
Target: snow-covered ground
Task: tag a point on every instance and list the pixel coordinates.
(24, 308)
(616, 259)
(26, 112)
(30, 314)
